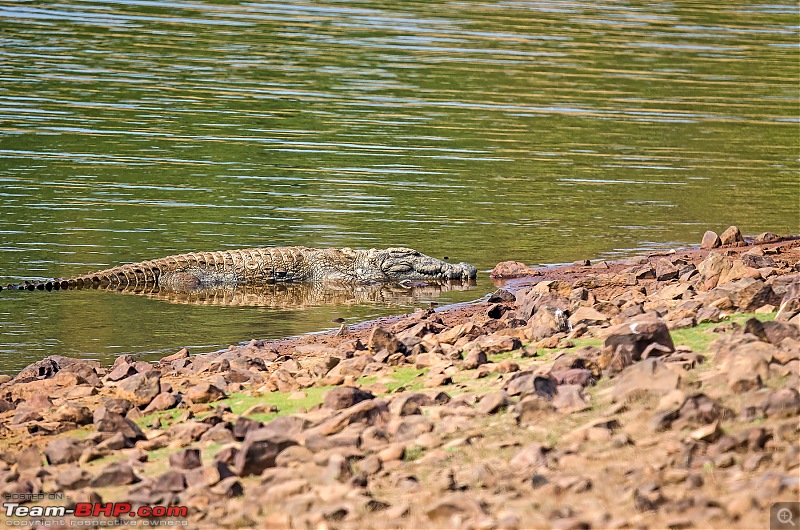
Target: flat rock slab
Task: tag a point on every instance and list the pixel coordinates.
(648, 376)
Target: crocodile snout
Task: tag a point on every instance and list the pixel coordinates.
(462, 271)
(471, 272)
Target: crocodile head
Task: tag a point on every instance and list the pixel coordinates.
(405, 264)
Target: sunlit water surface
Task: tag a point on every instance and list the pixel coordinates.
(482, 131)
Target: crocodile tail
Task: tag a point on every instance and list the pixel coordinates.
(252, 265)
(141, 274)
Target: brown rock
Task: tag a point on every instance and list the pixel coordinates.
(370, 412)
(633, 338)
(710, 240)
(172, 481)
(115, 474)
(392, 452)
(219, 433)
(381, 339)
(766, 237)
(29, 458)
(121, 371)
(502, 296)
(370, 465)
(547, 322)
(243, 426)
(263, 408)
(775, 332)
(183, 353)
(530, 456)
(672, 291)
(39, 402)
(163, 401)
(140, 389)
(790, 303)
(737, 271)
(588, 316)
(434, 380)
(291, 426)
(226, 454)
(639, 272)
(526, 383)
(648, 376)
(52, 365)
(428, 359)
(117, 405)
(73, 478)
(546, 294)
(115, 442)
(228, 488)
(105, 421)
(494, 344)
(749, 294)
(731, 236)
(781, 403)
(204, 392)
(455, 509)
(695, 410)
(506, 366)
(409, 427)
(409, 404)
(754, 461)
(493, 402)
(63, 451)
(345, 397)
(512, 269)
(744, 372)
(711, 269)
(467, 329)
(186, 459)
(648, 498)
(294, 456)
(24, 414)
(72, 412)
(282, 380)
(475, 358)
(727, 347)
(574, 376)
(531, 409)
(569, 399)
(666, 271)
(708, 314)
(350, 367)
(258, 452)
(757, 261)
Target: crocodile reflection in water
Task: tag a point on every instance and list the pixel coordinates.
(298, 295)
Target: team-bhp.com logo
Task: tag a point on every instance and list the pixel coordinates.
(20, 516)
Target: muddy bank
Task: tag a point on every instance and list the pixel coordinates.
(658, 391)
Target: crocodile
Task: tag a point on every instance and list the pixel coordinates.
(268, 265)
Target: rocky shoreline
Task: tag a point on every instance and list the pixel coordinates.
(658, 391)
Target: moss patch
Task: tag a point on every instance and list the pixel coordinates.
(240, 402)
(406, 377)
(699, 337)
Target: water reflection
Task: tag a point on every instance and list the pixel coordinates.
(295, 296)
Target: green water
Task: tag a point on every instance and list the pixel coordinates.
(537, 131)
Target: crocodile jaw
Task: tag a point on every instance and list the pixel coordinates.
(405, 264)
